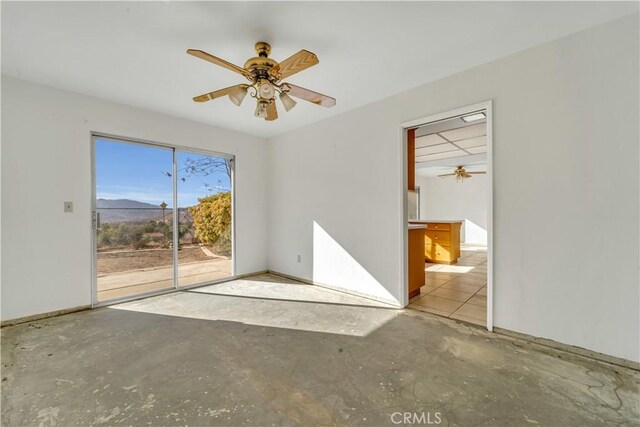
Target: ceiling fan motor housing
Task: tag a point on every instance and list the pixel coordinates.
(261, 64)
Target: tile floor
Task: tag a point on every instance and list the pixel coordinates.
(458, 291)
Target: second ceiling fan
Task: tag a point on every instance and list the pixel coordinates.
(461, 174)
(265, 76)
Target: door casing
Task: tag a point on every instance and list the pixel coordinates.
(487, 107)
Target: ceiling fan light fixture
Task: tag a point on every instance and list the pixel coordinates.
(287, 101)
(261, 109)
(266, 90)
(474, 117)
(237, 96)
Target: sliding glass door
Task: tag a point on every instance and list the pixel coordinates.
(143, 190)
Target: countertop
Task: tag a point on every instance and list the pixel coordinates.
(440, 221)
(416, 226)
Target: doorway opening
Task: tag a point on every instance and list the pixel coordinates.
(449, 214)
(162, 218)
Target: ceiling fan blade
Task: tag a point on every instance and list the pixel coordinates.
(272, 111)
(447, 174)
(294, 64)
(217, 93)
(477, 173)
(311, 96)
(218, 61)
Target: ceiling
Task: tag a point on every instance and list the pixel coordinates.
(446, 144)
(134, 52)
(452, 138)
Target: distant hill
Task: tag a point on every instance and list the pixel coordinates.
(123, 204)
(128, 210)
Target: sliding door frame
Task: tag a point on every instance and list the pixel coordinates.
(175, 215)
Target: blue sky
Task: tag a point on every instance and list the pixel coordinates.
(138, 172)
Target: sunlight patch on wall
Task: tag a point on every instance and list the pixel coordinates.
(473, 233)
(334, 266)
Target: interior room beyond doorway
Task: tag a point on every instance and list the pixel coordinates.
(449, 199)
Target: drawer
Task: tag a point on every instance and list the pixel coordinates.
(442, 237)
(438, 226)
(438, 252)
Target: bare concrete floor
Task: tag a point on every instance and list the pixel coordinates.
(247, 353)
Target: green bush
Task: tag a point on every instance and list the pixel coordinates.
(212, 219)
(105, 236)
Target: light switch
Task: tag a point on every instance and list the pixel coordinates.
(68, 207)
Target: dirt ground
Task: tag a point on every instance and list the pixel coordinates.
(115, 262)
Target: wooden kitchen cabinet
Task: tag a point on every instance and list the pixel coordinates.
(442, 241)
(417, 274)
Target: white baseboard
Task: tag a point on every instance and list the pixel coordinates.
(546, 342)
(42, 316)
(256, 273)
(391, 303)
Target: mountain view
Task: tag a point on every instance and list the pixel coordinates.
(128, 210)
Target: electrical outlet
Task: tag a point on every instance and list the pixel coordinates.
(68, 207)
(299, 258)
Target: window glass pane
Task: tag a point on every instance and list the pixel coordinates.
(134, 222)
(205, 218)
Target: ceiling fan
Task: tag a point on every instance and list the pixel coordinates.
(461, 174)
(265, 76)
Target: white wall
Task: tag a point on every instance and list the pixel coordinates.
(446, 198)
(46, 160)
(566, 231)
